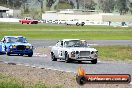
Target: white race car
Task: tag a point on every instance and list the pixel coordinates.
(75, 22)
(73, 49)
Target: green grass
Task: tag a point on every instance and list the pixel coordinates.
(48, 31)
(10, 82)
(115, 52)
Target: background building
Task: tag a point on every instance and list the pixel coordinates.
(3, 11)
(9, 13)
(90, 15)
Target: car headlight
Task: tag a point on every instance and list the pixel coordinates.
(14, 46)
(73, 54)
(77, 52)
(27, 47)
(92, 52)
(11, 47)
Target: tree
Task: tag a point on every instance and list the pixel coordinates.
(90, 5)
(130, 7)
(72, 4)
(122, 6)
(106, 5)
(49, 3)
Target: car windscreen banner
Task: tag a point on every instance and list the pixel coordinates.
(83, 78)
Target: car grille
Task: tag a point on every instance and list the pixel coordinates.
(84, 53)
(21, 47)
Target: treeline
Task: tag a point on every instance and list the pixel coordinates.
(13, 3)
(122, 6)
(106, 6)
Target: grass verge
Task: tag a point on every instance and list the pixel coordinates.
(48, 31)
(10, 82)
(114, 52)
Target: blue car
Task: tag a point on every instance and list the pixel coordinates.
(16, 45)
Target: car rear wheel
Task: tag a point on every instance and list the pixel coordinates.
(94, 61)
(53, 57)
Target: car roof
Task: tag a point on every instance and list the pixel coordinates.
(70, 39)
(12, 36)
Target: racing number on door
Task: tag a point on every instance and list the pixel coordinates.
(60, 53)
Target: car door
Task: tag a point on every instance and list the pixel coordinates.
(55, 49)
(61, 50)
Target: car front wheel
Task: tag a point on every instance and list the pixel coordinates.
(53, 57)
(30, 54)
(8, 53)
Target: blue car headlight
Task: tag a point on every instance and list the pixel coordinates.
(14, 46)
(29, 47)
(10, 47)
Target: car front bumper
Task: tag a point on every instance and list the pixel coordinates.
(84, 58)
(15, 51)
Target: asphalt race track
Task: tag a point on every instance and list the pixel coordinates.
(102, 67)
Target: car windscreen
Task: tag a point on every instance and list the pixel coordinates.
(74, 43)
(16, 39)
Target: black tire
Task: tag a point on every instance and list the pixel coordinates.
(94, 61)
(22, 22)
(30, 54)
(79, 61)
(53, 57)
(82, 24)
(81, 80)
(8, 53)
(77, 24)
(67, 59)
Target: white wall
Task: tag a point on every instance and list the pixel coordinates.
(9, 20)
(3, 15)
(57, 16)
(80, 17)
(50, 16)
(14, 13)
